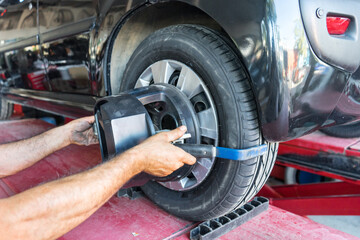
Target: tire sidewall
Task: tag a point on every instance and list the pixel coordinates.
(181, 48)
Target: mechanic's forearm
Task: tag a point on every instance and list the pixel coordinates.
(50, 210)
(19, 155)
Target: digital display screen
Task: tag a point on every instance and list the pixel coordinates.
(129, 131)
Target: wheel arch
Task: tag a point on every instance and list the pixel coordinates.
(146, 20)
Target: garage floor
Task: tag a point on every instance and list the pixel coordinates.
(121, 218)
(348, 224)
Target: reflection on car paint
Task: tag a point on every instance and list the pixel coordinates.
(296, 92)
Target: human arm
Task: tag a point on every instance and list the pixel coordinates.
(52, 209)
(19, 155)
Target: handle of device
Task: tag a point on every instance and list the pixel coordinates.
(198, 150)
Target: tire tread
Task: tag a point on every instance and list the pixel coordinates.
(240, 84)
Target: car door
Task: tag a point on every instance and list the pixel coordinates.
(22, 66)
(64, 35)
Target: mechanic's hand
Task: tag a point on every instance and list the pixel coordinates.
(81, 131)
(158, 157)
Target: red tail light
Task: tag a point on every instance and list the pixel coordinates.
(2, 14)
(337, 25)
(2, 76)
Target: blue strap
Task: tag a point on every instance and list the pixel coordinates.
(241, 154)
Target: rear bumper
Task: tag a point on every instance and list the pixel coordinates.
(341, 51)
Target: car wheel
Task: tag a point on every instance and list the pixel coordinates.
(201, 63)
(351, 130)
(6, 109)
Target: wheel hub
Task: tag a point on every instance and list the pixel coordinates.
(162, 104)
(191, 105)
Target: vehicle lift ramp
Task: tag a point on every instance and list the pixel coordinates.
(123, 218)
(330, 157)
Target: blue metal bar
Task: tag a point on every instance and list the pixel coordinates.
(241, 154)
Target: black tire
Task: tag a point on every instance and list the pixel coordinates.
(6, 109)
(351, 130)
(229, 184)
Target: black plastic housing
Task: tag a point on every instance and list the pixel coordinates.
(122, 122)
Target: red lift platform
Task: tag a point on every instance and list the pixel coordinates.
(330, 157)
(122, 218)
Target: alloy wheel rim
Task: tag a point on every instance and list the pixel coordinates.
(184, 78)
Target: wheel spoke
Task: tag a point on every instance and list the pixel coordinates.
(145, 79)
(209, 133)
(176, 184)
(189, 83)
(142, 83)
(207, 124)
(161, 71)
(202, 168)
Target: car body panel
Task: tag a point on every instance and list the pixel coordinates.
(347, 54)
(65, 36)
(296, 92)
(291, 84)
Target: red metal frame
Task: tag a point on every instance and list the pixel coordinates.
(319, 172)
(328, 198)
(311, 145)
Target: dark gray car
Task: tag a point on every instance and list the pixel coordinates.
(254, 71)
